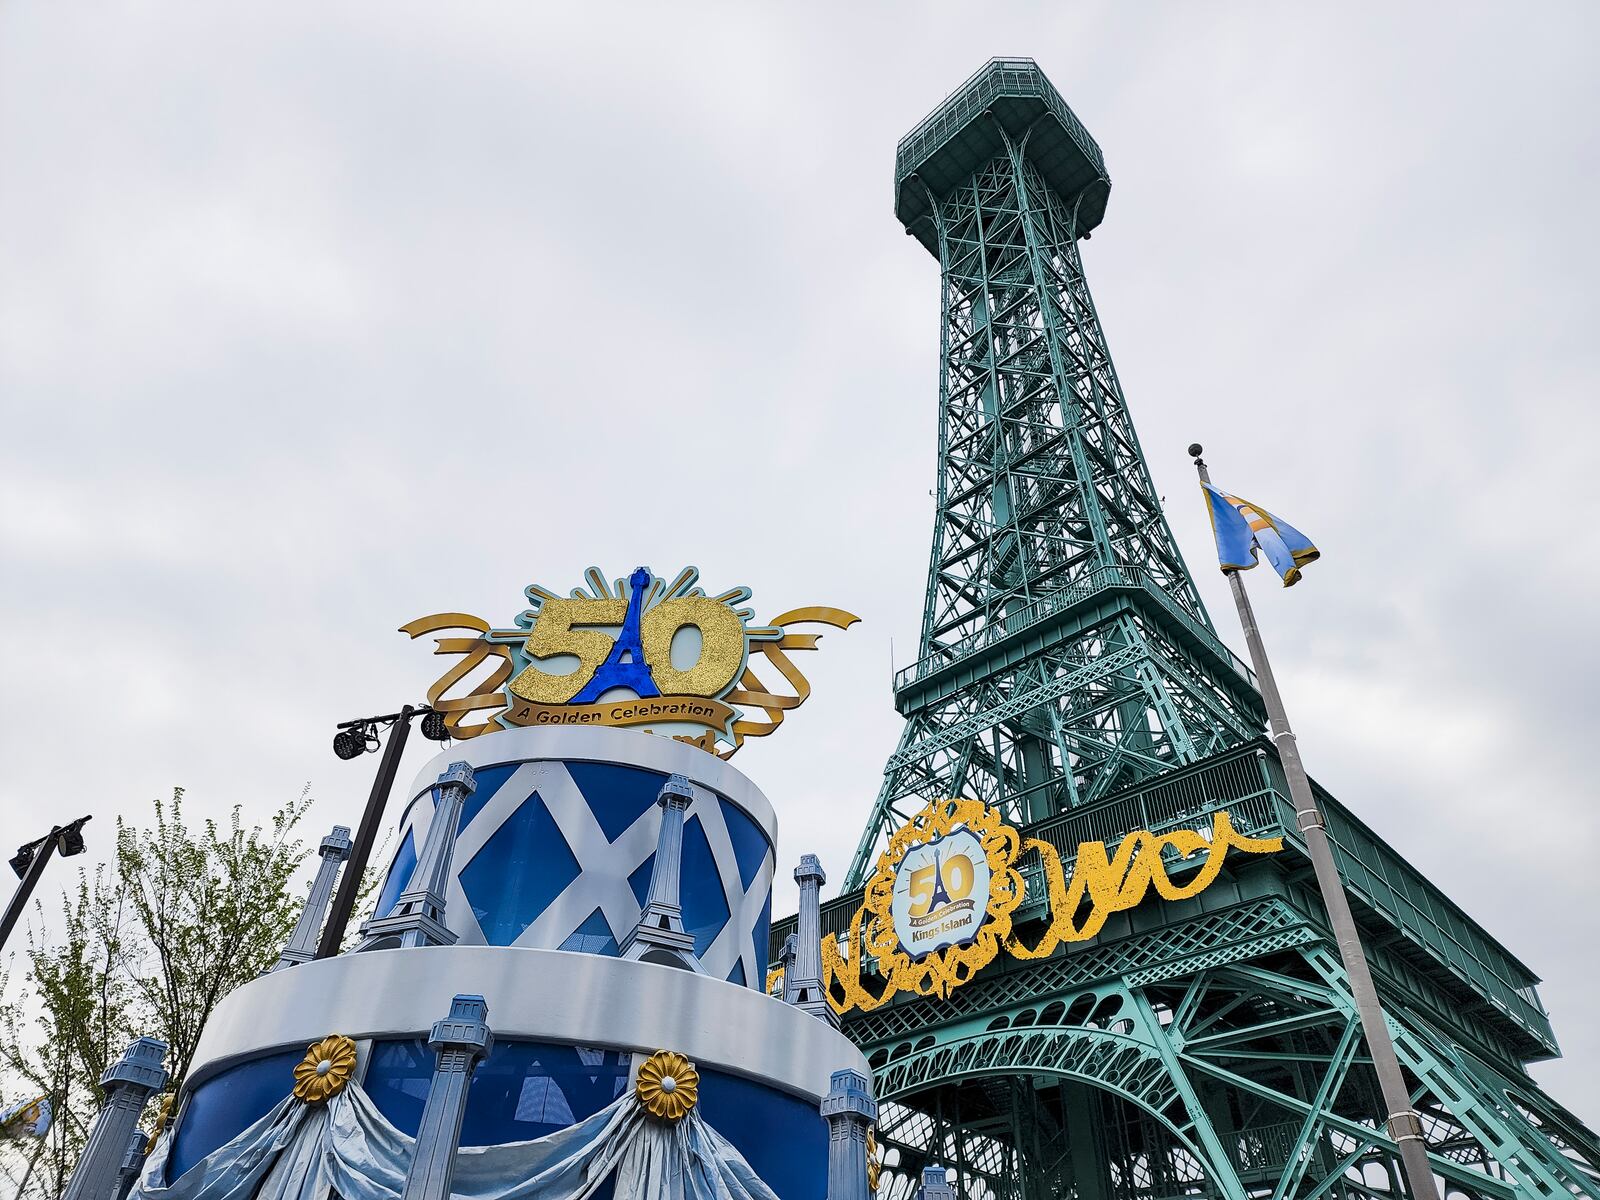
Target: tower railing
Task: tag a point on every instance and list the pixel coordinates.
(1020, 620)
(997, 77)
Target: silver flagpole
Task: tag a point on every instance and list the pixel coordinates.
(1404, 1126)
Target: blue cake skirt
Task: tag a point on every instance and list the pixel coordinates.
(570, 1030)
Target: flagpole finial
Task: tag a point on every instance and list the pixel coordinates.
(1195, 449)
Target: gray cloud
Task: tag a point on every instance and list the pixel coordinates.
(313, 320)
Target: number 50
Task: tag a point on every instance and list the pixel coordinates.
(568, 627)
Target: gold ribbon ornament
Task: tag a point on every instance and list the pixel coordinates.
(480, 680)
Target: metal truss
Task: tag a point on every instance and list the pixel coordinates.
(1064, 651)
(1065, 663)
(1245, 1079)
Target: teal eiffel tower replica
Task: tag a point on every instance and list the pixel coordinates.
(1069, 676)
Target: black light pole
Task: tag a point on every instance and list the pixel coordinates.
(29, 865)
(354, 739)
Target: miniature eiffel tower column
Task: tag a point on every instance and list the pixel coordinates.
(418, 916)
(302, 945)
(935, 1184)
(132, 1163)
(660, 936)
(462, 1040)
(786, 964)
(128, 1085)
(850, 1111)
(805, 992)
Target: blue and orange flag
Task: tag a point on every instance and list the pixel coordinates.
(27, 1118)
(1242, 529)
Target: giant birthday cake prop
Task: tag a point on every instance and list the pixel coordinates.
(560, 992)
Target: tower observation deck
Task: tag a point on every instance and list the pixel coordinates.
(1069, 676)
(1008, 100)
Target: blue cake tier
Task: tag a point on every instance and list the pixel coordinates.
(556, 845)
(548, 874)
(569, 1032)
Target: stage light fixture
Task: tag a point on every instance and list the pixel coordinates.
(354, 739)
(23, 859)
(349, 743)
(434, 728)
(70, 841)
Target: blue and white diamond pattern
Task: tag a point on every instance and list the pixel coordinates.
(604, 866)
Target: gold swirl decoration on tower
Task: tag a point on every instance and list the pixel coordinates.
(326, 1068)
(668, 1085)
(940, 906)
(642, 651)
(163, 1115)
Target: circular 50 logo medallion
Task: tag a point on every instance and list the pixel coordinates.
(941, 893)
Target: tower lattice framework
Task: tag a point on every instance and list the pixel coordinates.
(1064, 651)
(1069, 675)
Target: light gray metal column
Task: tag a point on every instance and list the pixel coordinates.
(659, 935)
(1401, 1121)
(302, 945)
(850, 1111)
(418, 916)
(462, 1040)
(129, 1084)
(806, 992)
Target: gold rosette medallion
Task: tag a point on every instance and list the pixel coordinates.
(668, 1085)
(325, 1069)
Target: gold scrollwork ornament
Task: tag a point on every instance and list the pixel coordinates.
(874, 1160)
(668, 1085)
(478, 680)
(163, 1115)
(1081, 893)
(326, 1068)
(1116, 882)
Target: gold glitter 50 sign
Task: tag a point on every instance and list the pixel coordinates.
(639, 651)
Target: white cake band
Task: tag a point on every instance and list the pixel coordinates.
(534, 995)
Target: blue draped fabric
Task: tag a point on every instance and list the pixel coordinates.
(298, 1151)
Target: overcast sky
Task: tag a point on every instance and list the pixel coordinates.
(318, 318)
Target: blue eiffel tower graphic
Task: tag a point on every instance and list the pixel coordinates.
(625, 667)
(940, 896)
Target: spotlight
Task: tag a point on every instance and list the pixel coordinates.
(434, 728)
(23, 859)
(349, 743)
(70, 840)
(29, 863)
(353, 739)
